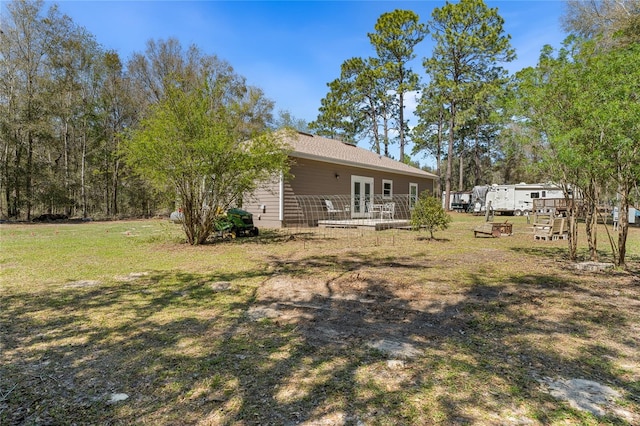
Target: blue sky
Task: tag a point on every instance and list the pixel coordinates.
(292, 49)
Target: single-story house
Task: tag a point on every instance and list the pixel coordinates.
(329, 177)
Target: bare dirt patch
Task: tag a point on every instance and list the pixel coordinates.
(82, 284)
(360, 306)
(587, 395)
(353, 308)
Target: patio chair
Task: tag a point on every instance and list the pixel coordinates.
(373, 209)
(330, 208)
(388, 209)
(555, 230)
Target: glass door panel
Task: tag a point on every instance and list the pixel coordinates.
(361, 195)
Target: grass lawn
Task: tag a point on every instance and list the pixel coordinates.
(122, 323)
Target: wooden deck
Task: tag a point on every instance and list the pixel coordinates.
(374, 224)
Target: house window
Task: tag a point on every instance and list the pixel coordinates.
(413, 194)
(387, 188)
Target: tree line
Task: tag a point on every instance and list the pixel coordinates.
(460, 92)
(73, 116)
(573, 119)
(68, 107)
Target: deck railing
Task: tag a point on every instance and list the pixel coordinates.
(310, 210)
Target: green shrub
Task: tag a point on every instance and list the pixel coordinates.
(429, 214)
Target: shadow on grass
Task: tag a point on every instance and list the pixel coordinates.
(434, 239)
(187, 349)
(266, 236)
(583, 255)
(274, 236)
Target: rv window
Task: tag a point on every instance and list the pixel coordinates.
(535, 195)
(544, 194)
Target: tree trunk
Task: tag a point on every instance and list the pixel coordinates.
(623, 222)
(591, 219)
(572, 212)
(401, 116)
(447, 183)
(83, 190)
(476, 158)
(386, 136)
(29, 174)
(573, 236)
(13, 205)
(461, 174)
(114, 187)
(439, 155)
(461, 164)
(67, 172)
(107, 184)
(6, 179)
(374, 126)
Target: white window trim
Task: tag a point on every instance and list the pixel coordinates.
(363, 180)
(412, 202)
(390, 182)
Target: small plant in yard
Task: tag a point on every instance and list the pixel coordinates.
(428, 213)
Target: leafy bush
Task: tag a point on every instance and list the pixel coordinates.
(429, 214)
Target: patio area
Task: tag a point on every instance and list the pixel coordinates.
(373, 224)
(343, 211)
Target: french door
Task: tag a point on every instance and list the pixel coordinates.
(361, 195)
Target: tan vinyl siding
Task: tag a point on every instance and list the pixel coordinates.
(311, 177)
(293, 212)
(319, 178)
(268, 196)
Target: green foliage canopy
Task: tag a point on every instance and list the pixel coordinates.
(583, 102)
(368, 98)
(464, 70)
(396, 35)
(195, 144)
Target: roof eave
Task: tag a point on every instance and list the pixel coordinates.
(424, 175)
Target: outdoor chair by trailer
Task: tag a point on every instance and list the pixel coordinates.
(554, 229)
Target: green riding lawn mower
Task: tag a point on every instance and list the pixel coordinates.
(234, 223)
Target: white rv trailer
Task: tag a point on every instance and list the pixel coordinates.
(634, 215)
(518, 199)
